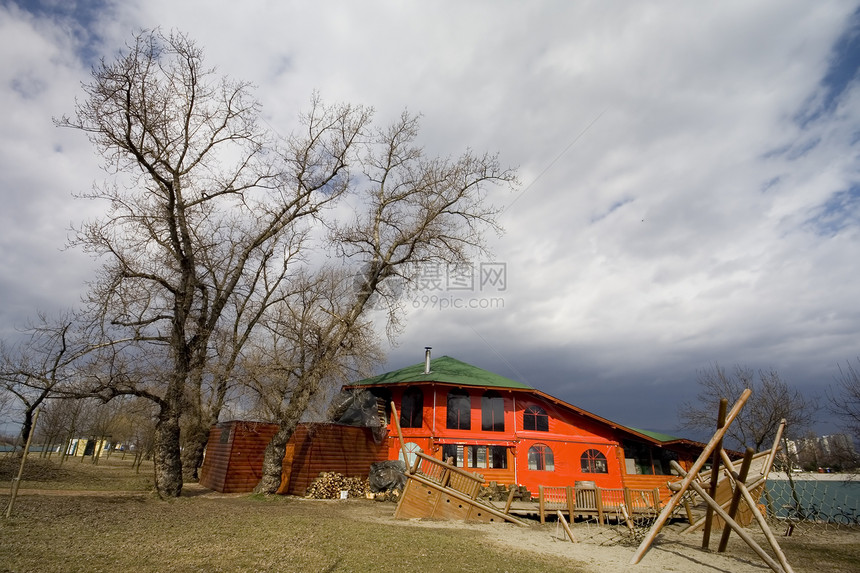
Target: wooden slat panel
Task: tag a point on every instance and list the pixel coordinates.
(418, 500)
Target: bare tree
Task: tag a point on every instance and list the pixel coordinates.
(772, 400)
(213, 222)
(416, 209)
(37, 367)
(209, 208)
(844, 400)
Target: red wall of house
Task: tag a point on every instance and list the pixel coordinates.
(569, 436)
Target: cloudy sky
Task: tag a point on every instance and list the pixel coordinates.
(690, 178)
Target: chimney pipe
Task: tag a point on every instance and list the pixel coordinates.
(427, 350)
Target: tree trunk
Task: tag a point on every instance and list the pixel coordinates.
(273, 458)
(168, 460)
(192, 455)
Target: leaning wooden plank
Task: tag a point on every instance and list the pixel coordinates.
(565, 525)
(685, 483)
(396, 421)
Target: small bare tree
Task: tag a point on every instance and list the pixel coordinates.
(772, 400)
(416, 210)
(39, 366)
(844, 400)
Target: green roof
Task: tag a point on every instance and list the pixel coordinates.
(657, 435)
(445, 370)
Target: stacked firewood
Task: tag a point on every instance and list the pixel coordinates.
(392, 495)
(329, 485)
(499, 492)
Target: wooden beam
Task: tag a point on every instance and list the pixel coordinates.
(753, 505)
(715, 475)
(685, 483)
(396, 421)
(739, 479)
(564, 524)
(734, 525)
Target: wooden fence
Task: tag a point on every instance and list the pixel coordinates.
(596, 501)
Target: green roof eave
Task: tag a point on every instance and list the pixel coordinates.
(657, 435)
(444, 370)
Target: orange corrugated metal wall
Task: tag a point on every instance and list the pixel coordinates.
(235, 466)
(347, 450)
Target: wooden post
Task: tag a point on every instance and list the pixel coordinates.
(740, 479)
(715, 475)
(656, 504)
(774, 544)
(738, 529)
(396, 421)
(598, 499)
(628, 499)
(510, 499)
(685, 483)
(566, 527)
(773, 449)
(540, 503)
(16, 482)
(627, 519)
(571, 502)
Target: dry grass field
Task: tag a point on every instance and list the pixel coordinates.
(87, 518)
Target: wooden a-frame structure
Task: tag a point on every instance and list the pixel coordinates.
(741, 486)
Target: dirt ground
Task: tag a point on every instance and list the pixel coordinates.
(611, 548)
(598, 548)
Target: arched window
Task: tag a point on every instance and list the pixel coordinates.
(492, 412)
(540, 458)
(412, 408)
(411, 449)
(594, 462)
(535, 418)
(459, 410)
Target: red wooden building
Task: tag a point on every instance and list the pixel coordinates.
(505, 430)
(512, 433)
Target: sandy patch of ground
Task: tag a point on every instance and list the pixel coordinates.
(611, 548)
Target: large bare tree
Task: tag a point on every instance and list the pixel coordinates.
(207, 207)
(772, 400)
(215, 228)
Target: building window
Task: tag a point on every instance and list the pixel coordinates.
(411, 449)
(482, 457)
(535, 418)
(459, 410)
(411, 408)
(594, 462)
(492, 412)
(540, 458)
